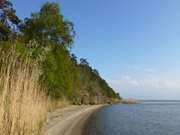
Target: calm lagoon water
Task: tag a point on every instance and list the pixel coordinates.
(148, 118)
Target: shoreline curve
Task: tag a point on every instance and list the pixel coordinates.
(70, 120)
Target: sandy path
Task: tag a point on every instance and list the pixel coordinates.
(69, 121)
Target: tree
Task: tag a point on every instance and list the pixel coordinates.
(49, 25)
(74, 58)
(84, 62)
(8, 20)
(95, 71)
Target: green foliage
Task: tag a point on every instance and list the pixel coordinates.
(8, 20)
(92, 81)
(47, 38)
(49, 25)
(59, 72)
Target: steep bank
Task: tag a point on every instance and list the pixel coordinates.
(47, 38)
(69, 121)
(38, 70)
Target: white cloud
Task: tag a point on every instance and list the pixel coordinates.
(147, 88)
(148, 70)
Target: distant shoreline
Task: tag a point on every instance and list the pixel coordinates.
(135, 101)
(160, 100)
(130, 101)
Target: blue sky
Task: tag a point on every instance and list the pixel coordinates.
(135, 44)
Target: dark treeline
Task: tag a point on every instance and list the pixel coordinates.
(48, 38)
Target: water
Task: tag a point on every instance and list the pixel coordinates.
(148, 118)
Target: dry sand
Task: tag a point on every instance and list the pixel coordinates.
(69, 121)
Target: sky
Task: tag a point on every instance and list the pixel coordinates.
(135, 44)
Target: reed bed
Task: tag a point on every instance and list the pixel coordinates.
(23, 104)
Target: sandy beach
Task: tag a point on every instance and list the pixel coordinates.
(69, 121)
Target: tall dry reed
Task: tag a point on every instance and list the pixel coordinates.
(23, 105)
